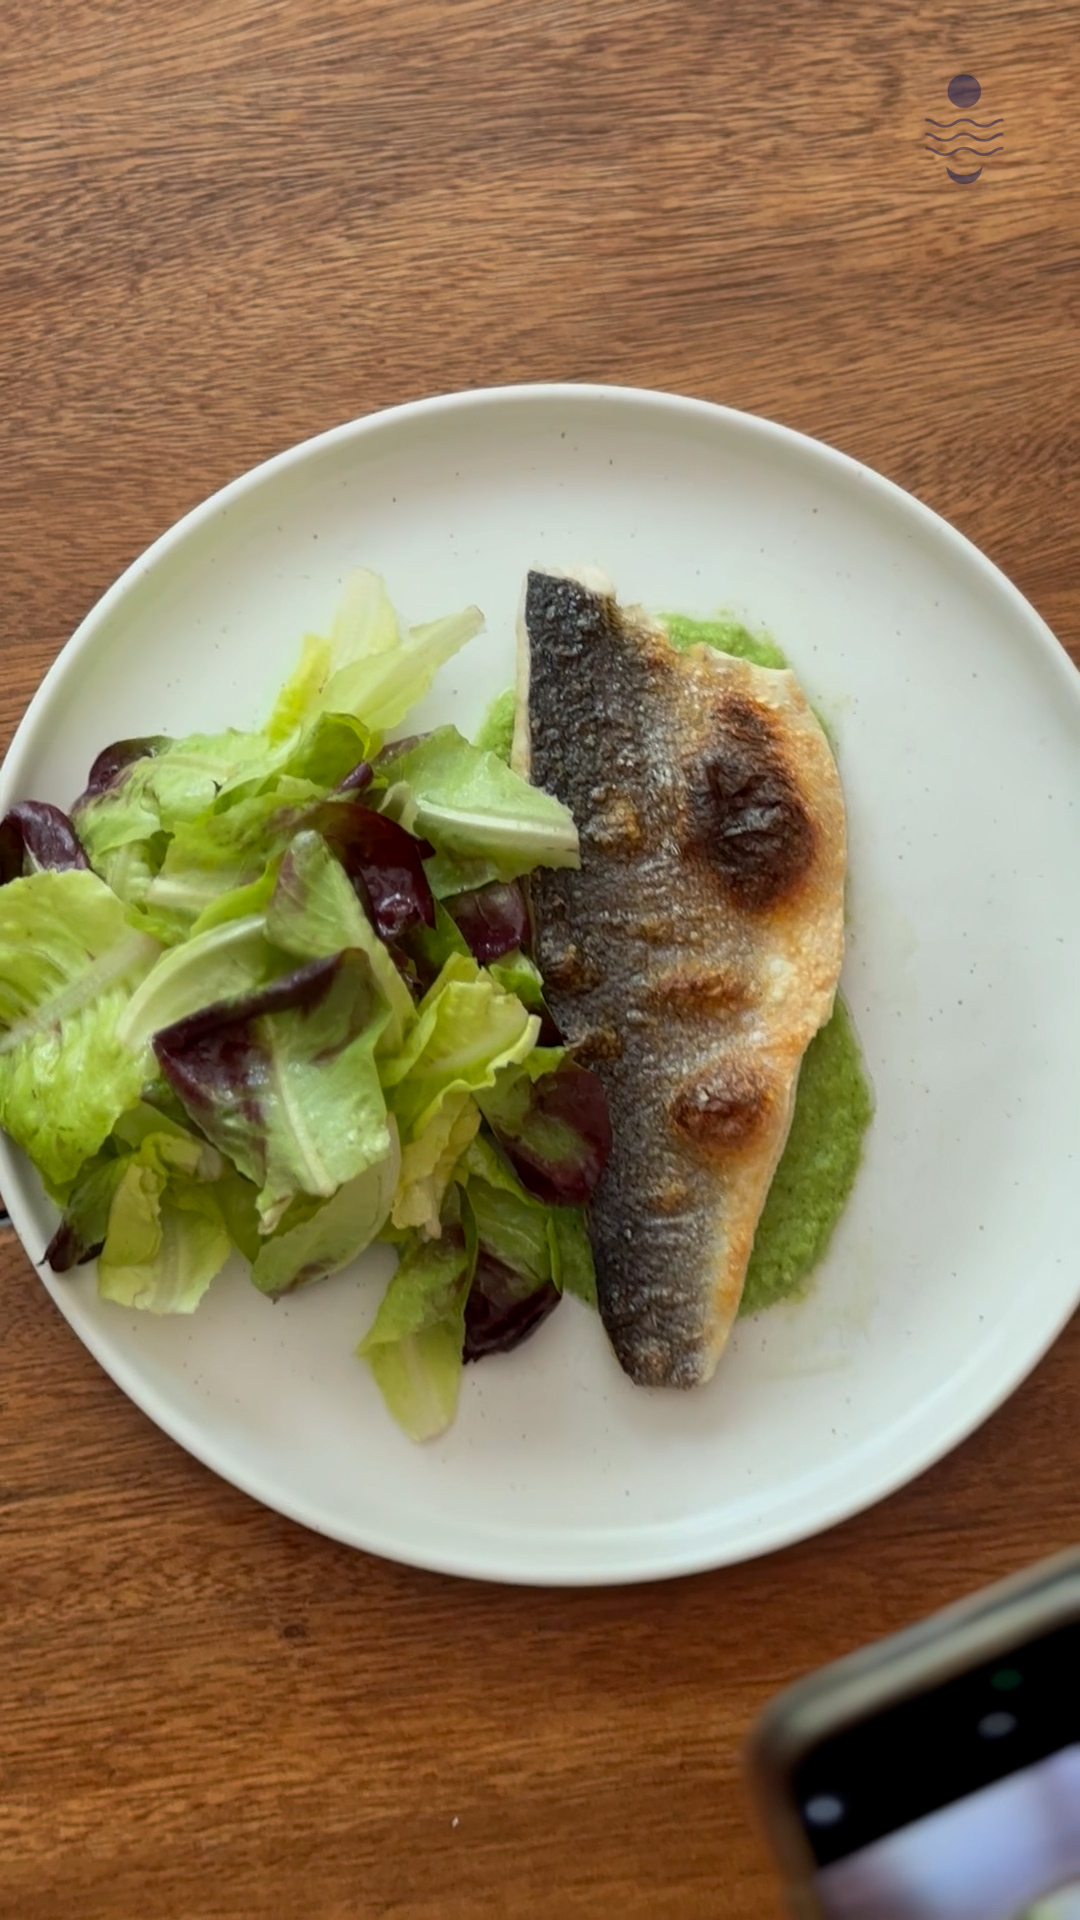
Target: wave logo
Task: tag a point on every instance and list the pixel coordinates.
(964, 139)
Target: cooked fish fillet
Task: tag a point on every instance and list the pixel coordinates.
(696, 953)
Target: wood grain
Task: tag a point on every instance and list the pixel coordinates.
(227, 225)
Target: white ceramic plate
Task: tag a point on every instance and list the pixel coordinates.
(958, 720)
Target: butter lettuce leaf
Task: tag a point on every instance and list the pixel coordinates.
(535, 1240)
(315, 1240)
(415, 1344)
(429, 1160)
(161, 1208)
(368, 667)
(364, 619)
(467, 1029)
(81, 1233)
(516, 973)
(301, 693)
(224, 849)
(68, 963)
(572, 1267)
(154, 1204)
(140, 792)
(510, 1224)
(381, 686)
(364, 623)
(330, 749)
(314, 913)
(236, 903)
(167, 1237)
(485, 822)
(226, 962)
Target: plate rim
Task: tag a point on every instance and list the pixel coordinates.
(661, 1556)
(532, 392)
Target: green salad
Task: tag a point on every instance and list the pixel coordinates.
(270, 992)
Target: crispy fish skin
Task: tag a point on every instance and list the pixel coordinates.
(695, 954)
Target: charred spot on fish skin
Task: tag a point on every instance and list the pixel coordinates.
(747, 814)
(599, 1043)
(615, 827)
(567, 968)
(674, 1196)
(723, 1106)
(698, 990)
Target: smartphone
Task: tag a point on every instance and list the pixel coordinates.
(936, 1775)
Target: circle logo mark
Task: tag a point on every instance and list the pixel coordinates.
(964, 90)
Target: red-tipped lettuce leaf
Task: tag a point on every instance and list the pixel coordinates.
(115, 760)
(493, 920)
(555, 1131)
(284, 1081)
(35, 836)
(81, 1233)
(357, 778)
(498, 1314)
(386, 860)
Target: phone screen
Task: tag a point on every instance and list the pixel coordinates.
(962, 1803)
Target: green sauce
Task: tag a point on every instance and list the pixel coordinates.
(833, 1108)
(727, 636)
(833, 1103)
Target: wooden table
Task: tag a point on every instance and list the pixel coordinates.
(228, 224)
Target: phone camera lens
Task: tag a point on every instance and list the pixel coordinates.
(824, 1810)
(994, 1726)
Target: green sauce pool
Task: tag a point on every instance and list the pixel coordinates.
(833, 1102)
